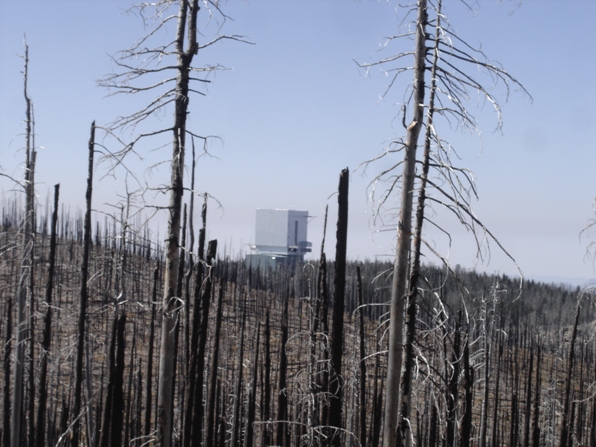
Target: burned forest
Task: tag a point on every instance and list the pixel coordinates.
(117, 332)
(254, 353)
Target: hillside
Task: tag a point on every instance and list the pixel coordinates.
(492, 363)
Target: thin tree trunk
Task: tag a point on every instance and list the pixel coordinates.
(377, 407)
(466, 424)
(236, 424)
(537, 388)
(130, 401)
(198, 414)
(452, 394)
(362, 364)
(211, 415)
(75, 414)
(408, 361)
(485, 397)
(324, 316)
(567, 420)
(528, 411)
(337, 392)
(398, 287)
(31, 334)
(252, 398)
(267, 384)
(6, 386)
(47, 330)
(149, 387)
(24, 276)
(170, 301)
(106, 425)
(117, 412)
(282, 397)
(495, 427)
(196, 325)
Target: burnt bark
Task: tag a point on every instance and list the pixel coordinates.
(404, 235)
(282, 434)
(337, 341)
(198, 414)
(362, 363)
(211, 414)
(567, 420)
(149, 383)
(84, 297)
(47, 330)
(6, 386)
(187, 13)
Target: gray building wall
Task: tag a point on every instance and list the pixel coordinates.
(281, 231)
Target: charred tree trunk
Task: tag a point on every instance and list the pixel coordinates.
(337, 344)
(6, 386)
(117, 412)
(252, 397)
(325, 332)
(282, 396)
(149, 387)
(198, 414)
(362, 364)
(377, 407)
(25, 275)
(452, 394)
(211, 415)
(111, 432)
(76, 410)
(412, 294)
(528, 410)
(170, 301)
(108, 405)
(466, 424)
(236, 423)
(47, 330)
(567, 420)
(495, 427)
(537, 387)
(266, 408)
(404, 234)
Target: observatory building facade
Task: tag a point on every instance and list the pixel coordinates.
(280, 237)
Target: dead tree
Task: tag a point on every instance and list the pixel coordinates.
(567, 420)
(47, 329)
(25, 275)
(142, 63)
(84, 297)
(337, 344)
(441, 56)
(6, 379)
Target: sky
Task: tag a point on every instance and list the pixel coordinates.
(292, 109)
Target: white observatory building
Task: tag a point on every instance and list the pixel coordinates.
(280, 237)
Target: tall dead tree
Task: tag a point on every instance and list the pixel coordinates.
(337, 341)
(84, 297)
(441, 55)
(139, 64)
(47, 329)
(187, 16)
(25, 276)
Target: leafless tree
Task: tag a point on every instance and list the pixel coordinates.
(168, 74)
(441, 85)
(25, 276)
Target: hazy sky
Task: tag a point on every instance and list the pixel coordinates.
(294, 109)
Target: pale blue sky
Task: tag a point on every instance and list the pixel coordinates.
(294, 109)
